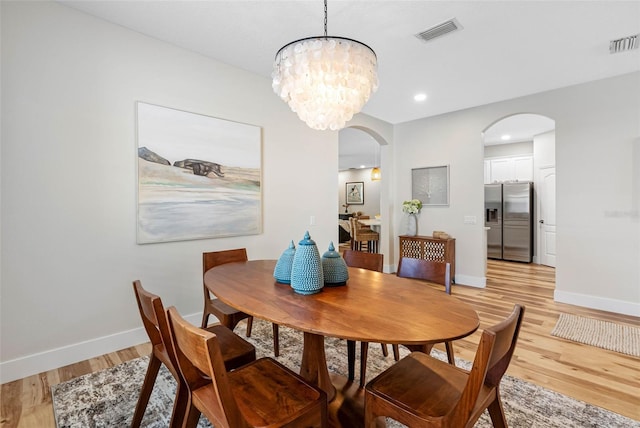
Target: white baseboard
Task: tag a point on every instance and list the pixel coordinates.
(596, 302)
(55, 358)
(471, 281)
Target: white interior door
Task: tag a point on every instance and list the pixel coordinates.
(547, 216)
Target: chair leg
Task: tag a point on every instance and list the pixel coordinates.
(192, 417)
(370, 418)
(450, 353)
(497, 413)
(180, 406)
(351, 359)
(385, 352)
(396, 352)
(205, 318)
(249, 326)
(364, 351)
(147, 388)
(276, 340)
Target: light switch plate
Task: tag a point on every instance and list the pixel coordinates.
(470, 219)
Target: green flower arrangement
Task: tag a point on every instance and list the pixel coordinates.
(412, 207)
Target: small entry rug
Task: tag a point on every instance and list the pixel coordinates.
(107, 398)
(603, 334)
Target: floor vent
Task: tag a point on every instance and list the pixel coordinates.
(439, 30)
(624, 44)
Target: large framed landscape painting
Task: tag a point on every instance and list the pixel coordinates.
(199, 177)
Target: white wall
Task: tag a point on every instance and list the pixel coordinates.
(69, 252)
(510, 149)
(598, 226)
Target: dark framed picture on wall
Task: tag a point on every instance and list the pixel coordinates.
(355, 193)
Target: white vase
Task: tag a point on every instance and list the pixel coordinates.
(412, 225)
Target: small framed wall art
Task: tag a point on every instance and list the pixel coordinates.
(355, 193)
(430, 185)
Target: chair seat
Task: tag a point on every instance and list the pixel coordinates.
(236, 351)
(368, 236)
(268, 394)
(407, 383)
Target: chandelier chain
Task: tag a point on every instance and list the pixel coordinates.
(325, 19)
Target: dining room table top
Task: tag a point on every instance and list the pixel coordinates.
(371, 307)
(370, 221)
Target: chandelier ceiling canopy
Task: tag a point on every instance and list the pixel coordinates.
(325, 80)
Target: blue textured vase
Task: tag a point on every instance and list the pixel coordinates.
(282, 272)
(306, 273)
(334, 268)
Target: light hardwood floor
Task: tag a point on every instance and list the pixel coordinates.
(597, 376)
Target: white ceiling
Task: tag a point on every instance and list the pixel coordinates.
(506, 49)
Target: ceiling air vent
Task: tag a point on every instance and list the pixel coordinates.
(624, 44)
(439, 30)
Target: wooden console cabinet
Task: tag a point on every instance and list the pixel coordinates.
(430, 248)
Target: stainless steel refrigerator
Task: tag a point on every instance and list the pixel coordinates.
(509, 215)
(493, 219)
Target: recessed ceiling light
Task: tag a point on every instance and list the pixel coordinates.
(362, 166)
(506, 137)
(420, 97)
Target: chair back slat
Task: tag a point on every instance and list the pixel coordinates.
(506, 338)
(147, 312)
(200, 361)
(428, 270)
(353, 222)
(491, 350)
(360, 259)
(216, 258)
(156, 324)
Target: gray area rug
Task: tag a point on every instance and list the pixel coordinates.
(603, 334)
(108, 398)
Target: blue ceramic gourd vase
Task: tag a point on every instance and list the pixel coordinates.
(306, 273)
(282, 271)
(334, 268)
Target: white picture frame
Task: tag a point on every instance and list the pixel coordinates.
(198, 176)
(430, 185)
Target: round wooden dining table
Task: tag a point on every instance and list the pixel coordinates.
(372, 307)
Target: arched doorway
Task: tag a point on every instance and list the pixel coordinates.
(520, 148)
(360, 150)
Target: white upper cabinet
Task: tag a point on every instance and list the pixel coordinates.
(517, 168)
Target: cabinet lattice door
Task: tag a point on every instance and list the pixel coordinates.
(430, 248)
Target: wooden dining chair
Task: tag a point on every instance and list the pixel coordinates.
(228, 316)
(421, 391)
(432, 271)
(236, 352)
(260, 394)
(363, 238)
(370, 261)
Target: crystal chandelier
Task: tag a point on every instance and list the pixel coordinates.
(325, 80)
